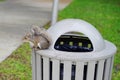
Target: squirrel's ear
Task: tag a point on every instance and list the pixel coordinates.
(33, 29)
(42, 28)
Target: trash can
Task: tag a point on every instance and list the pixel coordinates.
(77, 52)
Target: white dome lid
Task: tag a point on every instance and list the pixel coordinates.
(76, 25)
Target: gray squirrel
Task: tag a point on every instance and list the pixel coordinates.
(38, 38)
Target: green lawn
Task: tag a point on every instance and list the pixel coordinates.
(2, 0)
(103, 14)
(18, 65)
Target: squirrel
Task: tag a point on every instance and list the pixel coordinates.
(38, 38)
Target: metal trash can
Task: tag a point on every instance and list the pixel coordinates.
(77, 52)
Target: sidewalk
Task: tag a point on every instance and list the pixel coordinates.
(16, 17)
(41, 3)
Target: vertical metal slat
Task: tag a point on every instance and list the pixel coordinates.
(38, 63)
(79, 70)
(91, 70)
(56, 70)
(33, 65)
(100, 70)
(112, 61)
(67, 70)
(46, 70)
(107, 69)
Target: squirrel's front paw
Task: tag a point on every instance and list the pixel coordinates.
(35, 48)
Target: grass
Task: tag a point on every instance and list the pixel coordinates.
(2, 0)
(18, 65)
(103, 14)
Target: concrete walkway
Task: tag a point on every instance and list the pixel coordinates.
(16, 17)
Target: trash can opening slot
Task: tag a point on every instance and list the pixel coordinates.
(73, 43)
